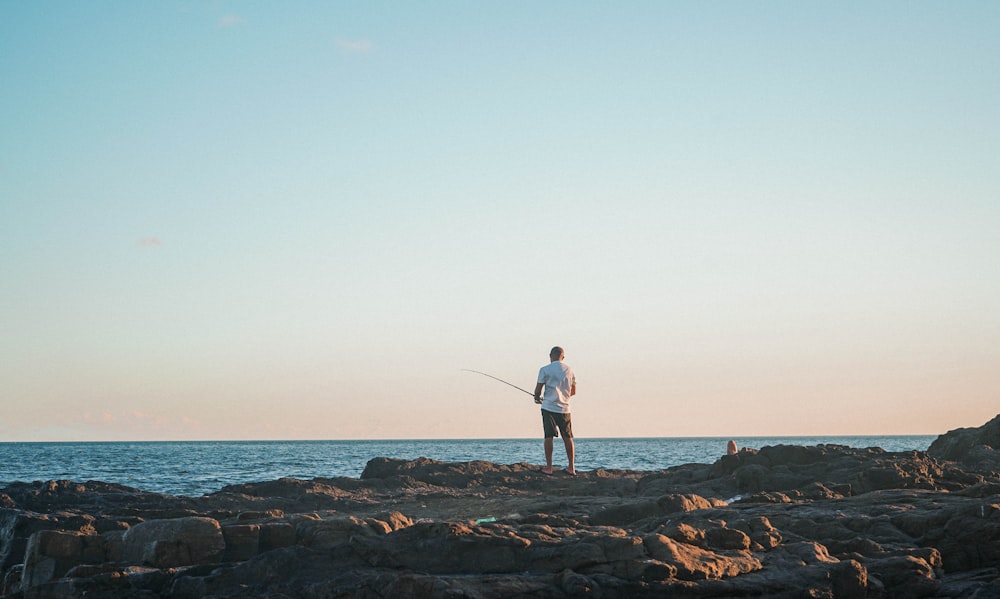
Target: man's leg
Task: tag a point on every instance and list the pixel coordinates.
(548, 455)
(570, 454)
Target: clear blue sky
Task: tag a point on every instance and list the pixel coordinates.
(257, 220)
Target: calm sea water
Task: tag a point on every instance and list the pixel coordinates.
(199, 467)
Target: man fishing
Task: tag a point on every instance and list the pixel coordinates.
(556, 385)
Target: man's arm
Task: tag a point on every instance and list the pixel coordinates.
(572, 389)
(538, 392)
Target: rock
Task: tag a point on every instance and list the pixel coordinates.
(719, 537)
(275, 535)
(439, 547)
(693, 563)
(687, 534)
(762, 535)
(65, 495)
(173, 543)
(17, 526)
(715, 536)
(849, 580)
(968, 537)
(668, 504)
(574, 584)
(905, 577)
(810, 552)
(242, 541)
(782, 521)
(620, 515)
(52, 553)
(329, 532)
(976, 447)
(10, 585)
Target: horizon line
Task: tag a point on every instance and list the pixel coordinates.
(433, 439)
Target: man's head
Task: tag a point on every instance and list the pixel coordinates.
(556, 353)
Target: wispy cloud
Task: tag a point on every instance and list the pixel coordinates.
(145, 418)
(231, 20)
(149, 242)
(355, 46)
(102, 418)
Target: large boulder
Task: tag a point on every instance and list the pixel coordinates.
(17, 526)
(173, 543)
(52, 553)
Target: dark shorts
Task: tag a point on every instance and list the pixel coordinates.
(556, 421)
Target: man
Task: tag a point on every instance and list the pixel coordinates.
(559, 384)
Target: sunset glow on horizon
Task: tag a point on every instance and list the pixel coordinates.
(249, 221)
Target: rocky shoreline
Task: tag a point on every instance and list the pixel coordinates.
(782, 521)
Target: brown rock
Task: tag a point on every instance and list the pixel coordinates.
(51, 553)
(242, 541)
(275, 535)
(329, 532)
(762, 535)
(17, 526)
(693, 563)
(687, 534)
(719, 537)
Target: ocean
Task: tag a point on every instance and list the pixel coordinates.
(195, 468)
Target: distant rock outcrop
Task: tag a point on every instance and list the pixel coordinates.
(782, 521)
(978, 448)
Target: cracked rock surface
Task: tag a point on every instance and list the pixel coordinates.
(781, 521)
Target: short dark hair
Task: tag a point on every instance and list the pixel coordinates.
(556, 352)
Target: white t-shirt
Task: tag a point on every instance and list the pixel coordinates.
(559, 380)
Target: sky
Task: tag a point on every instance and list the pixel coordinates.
(302, 220)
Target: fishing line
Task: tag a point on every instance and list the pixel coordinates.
(501, 380)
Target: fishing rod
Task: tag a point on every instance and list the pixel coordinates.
(501, 380)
